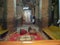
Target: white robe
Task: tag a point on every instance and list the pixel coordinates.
(58, 21)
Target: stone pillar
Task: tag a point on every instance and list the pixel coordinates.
(32, 11)
(44, 13)
(10, 15)
(36, 9)
(40, 9)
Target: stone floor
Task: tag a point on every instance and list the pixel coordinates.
(34, 27)
(27, 26)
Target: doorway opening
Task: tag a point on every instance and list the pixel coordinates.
(53, 12)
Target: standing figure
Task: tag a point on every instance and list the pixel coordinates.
(33, 19)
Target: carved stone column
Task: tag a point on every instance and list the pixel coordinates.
(10, 15)
(44, 13)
